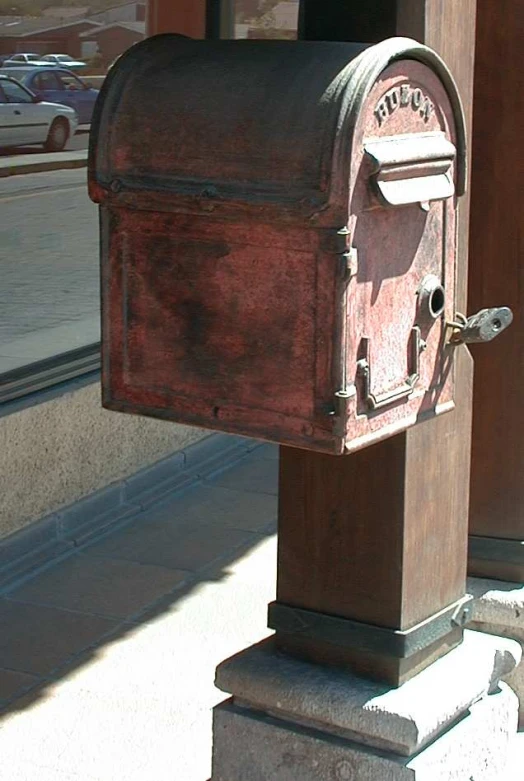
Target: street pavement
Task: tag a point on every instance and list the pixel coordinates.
(49, 295)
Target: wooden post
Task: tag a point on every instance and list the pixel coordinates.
(380, 537)
(186, 17)
(497, 252)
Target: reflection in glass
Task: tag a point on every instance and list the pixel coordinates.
(265, 18)
(49, 236)
(49, 290)
(49, 296)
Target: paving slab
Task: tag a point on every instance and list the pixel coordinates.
(12, 683)
(227, 508)
(108, 587)
(36, 639)
(254, 474)
(171, 546)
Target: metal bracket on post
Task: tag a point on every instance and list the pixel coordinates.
(344, 632)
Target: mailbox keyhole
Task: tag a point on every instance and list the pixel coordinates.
(432, 297)
(437, 302)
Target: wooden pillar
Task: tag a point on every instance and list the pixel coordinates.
(497, 253)
(186, 17)
(379, 538)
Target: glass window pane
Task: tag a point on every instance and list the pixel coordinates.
(265, 18)
(49, 234)
(15, 93)
(49, 258)
(45, 81)
(68, 81)
(49, 255)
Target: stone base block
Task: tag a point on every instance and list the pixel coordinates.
(291, 720)
(401, 720)
(499, 610)
(250, 745)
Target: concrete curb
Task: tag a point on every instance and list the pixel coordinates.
(32, 164)
(99, 513)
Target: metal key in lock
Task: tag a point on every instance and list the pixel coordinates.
(481, 327)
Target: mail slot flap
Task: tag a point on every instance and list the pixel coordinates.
(412, 168)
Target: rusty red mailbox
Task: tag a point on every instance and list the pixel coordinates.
(278, 236)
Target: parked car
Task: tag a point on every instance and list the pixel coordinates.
(65, 61)
(4, 57)
(23, 59)
(58, 85)
(27, 120)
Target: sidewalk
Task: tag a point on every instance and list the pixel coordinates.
(107, 658)
(13, 165)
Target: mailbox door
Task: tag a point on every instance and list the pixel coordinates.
(401, 289)
(229, 326)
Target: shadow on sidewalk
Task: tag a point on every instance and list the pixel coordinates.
(64, 616)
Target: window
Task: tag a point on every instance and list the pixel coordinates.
(46, 81)
(16, 93)
(16, 73)
(68, 81)
(49, 235)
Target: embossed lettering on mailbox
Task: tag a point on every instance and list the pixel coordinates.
(404, 96)
(278, 246)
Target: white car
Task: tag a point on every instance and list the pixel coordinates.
(24, 59)
(64, 60)
(25, 120)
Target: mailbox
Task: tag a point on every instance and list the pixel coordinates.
(278, 236)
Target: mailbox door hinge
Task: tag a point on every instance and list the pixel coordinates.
(343, 399)
(346, 392)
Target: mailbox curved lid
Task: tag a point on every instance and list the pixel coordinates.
(248, 121)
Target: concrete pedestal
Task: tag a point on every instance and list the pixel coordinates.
(499, 610)
(289, 720)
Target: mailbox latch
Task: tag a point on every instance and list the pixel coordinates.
(375, 401)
